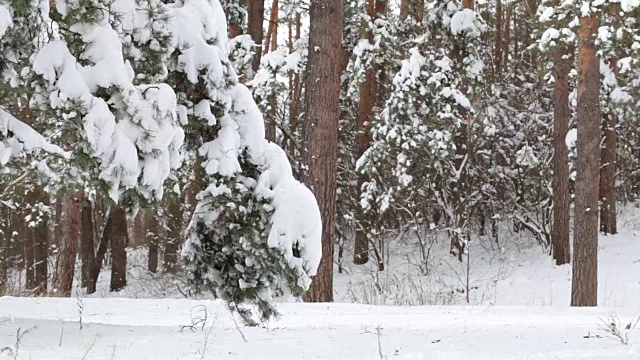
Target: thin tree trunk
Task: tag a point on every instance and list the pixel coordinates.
(174, 231)
(256, 30)
(363, 138)
(4, 248)
(584, 286)
(57, 229)
(272, 29)
(560, 226)
(461, 163)
(103, 245)
(608, 216)
(87, 251)
(41, 245)
(119, 242)
(321, 132)
(497, 56)
(28, 244)
(415, 8)
(70, 235)
(506, 42)
(272, 38)
(152, 226)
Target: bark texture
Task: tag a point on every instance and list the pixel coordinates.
(152, 225)
(41, 246)
(103, 245)
(69, 238)
(119, 242)
(560, 242)
(87, 251)
(584, 286)
(365, 114)
(256, 30)
(321, 129)
(608, 216)
(174, 234)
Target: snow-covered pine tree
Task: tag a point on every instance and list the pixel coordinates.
(429, 105)
(256, 230)
(122, 131)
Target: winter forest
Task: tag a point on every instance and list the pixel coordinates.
(410, 161)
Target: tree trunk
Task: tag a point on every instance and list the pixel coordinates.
(119, 242)
(506, 43)
(608, 216)
(57, 222)
(174, 232)
(461, 162)
(70, 235)
(4, 248)
(560, 225)
(272, 45)
(321, 129)
(584, 286)
(363, 138)
(28, 244)
(87, 251)
(497, 56)
(41, 245)
(256, 30)
(415, 8)
(103, 245)
(272, 29)
(152, 226)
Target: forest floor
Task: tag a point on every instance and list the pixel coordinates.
(415, 309)
(140, 329)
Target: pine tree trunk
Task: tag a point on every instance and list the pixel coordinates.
(152, 226)
(363, 138)
(41, 245)
(4, 247)
(256, 30)
(119, 242)
(497, 56)
(87, 251)
(560, 184)
(57, 229)
(272, 45)
(321, 129)
(415, 8)
(28, 244)
(584, 286)
(608, 211)
(103, 245)
(461, 163)
(506, 43)
(608, 217)
(174, 232)
(70, 235)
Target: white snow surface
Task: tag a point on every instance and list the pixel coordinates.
(151, 329)
(5, 19)
(572, 138)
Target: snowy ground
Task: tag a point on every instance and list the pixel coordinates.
(151, 329)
